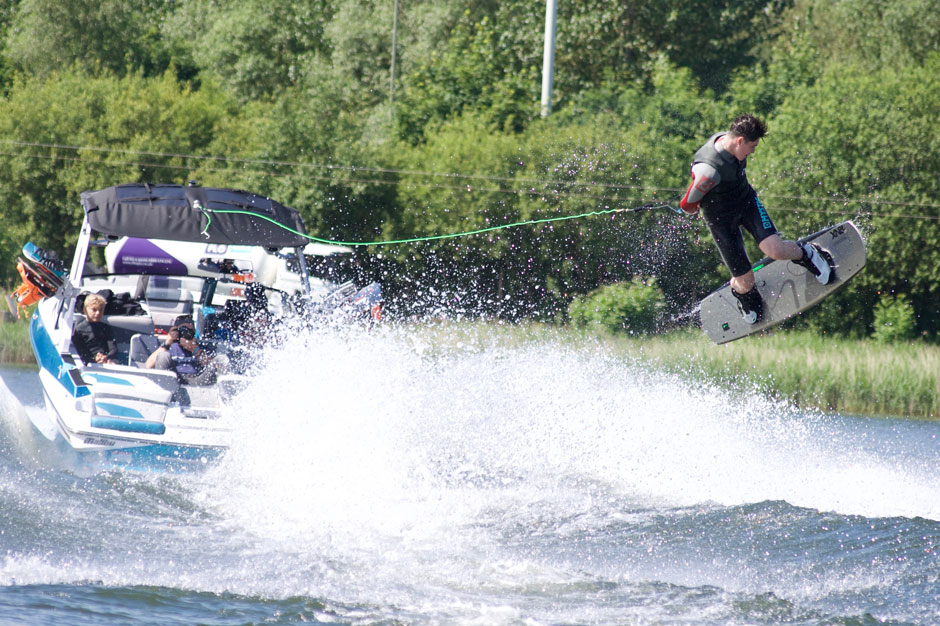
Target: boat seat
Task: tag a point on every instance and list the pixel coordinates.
(167, 299)
(141, 347)
(124, 327)
(131, 323)
(166, 379)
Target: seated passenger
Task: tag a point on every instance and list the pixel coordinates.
(254, 322)
(182, 354)
(93, 339)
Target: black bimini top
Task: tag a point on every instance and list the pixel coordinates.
(203, 214)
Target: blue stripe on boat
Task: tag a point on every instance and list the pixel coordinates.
(50, 360)
(119, 410)
(128, 425)
(104, 378)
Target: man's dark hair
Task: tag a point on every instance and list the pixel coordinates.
(748, 126)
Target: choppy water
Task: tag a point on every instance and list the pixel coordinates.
(385, 478)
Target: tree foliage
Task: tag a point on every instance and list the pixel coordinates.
(255, 47)
(872, 33)
(88, 134)
(295, 100)
(868, 157)
(492, 61)
(45, 36)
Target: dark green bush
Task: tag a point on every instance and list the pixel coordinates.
(635, 307)
(894, 320)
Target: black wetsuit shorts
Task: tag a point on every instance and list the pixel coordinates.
(725, 226)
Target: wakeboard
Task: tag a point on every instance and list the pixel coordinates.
(786, 288)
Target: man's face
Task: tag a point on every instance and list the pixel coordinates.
(741, 148)
(188, 344)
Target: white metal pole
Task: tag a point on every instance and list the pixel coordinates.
(548, 60)
(391, 86)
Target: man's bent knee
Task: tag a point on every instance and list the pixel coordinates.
(773, 247)
(779, 249)
(743, 283)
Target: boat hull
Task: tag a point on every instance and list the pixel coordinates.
(119, 417)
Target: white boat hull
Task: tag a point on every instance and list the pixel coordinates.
(124, 416)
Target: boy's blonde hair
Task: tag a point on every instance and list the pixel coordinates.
(94, 299)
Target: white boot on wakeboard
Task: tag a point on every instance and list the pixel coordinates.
(815, 261)
(750, 305)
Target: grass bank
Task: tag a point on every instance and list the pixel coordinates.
(14, 342)
(833, 374)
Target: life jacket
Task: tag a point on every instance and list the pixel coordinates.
(184, 361)
(733, 189)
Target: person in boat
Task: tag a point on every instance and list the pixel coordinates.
(728, 203)
(92, 337)
(250, 318)
(251, 325)
(181, 352)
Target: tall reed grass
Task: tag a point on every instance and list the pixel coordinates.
(14, 342)
(852, 376)
(836, 374)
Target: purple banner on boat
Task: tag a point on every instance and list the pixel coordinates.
(141, 256)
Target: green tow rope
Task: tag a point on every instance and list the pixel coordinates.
(645, 207)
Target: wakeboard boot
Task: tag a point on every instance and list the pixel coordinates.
(817, 262)
(750, 305)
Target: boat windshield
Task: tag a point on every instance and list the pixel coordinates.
(166, 295)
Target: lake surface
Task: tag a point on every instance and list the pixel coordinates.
(388, 478)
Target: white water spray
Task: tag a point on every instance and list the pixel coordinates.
(389, 431)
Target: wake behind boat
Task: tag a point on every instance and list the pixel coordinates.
(124, 413)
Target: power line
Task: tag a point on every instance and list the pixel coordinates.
(468, 188)
(306, 165)
(376, 181)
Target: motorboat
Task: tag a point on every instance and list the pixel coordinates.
(171, 252)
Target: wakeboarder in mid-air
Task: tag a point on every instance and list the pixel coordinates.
(728, 203)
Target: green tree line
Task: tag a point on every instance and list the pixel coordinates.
(296, 100)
